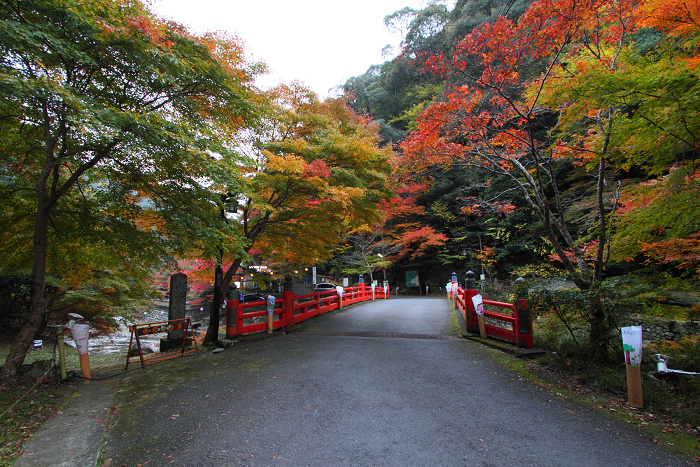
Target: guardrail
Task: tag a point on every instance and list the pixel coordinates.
(514, 325)
(246, 318)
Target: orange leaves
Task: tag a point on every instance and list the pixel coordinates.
(684, 252)
(316, 168)
(474, 209)
(417, 242)
(676, 17)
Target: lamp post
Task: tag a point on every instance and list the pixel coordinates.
(383, 270)
(228, 204)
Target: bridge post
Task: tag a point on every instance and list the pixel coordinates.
(233, 327)
(470, 290)
(523, 322)
(288, 305)
(453, 288)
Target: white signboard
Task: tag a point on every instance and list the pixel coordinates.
(478, 302)
(632, 345)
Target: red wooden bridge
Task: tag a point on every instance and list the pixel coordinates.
(506, 321)
(245, 318)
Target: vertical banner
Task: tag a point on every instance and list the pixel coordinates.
(270, 312)
(271, 304)
(81, 334)
(313, 275)
(339, 291)
(632, 345)
(478, 302)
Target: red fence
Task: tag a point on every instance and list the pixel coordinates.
(248, 318)
(512, 322)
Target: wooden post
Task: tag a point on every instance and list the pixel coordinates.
(85, 365)
(482, 326)
(270, 317)
(634, 386)
(632, 346)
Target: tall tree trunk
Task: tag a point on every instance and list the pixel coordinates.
(221, 285)
(23, 340)
(212, 336)
(599, 330)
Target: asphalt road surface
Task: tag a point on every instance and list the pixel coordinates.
(385, 383)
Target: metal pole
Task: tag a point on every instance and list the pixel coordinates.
(61, 352)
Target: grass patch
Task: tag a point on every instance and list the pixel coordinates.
(666, 431)
(27, 403)
(25, 406)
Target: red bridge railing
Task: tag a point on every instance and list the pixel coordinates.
(512, 321)
(246, 318)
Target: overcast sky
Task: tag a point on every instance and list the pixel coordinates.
(319, 42)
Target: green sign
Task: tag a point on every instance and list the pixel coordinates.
(412, 279)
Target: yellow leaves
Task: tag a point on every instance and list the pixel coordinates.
(287, 164)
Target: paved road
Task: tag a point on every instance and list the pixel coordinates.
(384, 383)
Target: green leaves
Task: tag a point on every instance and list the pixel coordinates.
(109, 125)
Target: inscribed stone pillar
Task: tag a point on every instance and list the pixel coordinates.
(178, 301)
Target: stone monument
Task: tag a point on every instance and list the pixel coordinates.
(176, 310)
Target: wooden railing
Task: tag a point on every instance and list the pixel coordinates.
(247, 318)
(511, 323)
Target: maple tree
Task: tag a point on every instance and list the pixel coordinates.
(568, 83)
(109, 120)
(660, 220)
(508, 108)
(497, 120)
(313, 171)
(400, 235)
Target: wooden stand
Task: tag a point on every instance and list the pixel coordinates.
(634, 386)
(269, 323)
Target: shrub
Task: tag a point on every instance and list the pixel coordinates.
(15, 300)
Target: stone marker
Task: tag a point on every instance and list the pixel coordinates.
(176, 309)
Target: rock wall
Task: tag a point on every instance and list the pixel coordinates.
(658, 329)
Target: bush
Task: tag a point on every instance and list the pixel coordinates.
(15, 300)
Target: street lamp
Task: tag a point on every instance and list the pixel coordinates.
(383, 269)
(228, 204)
